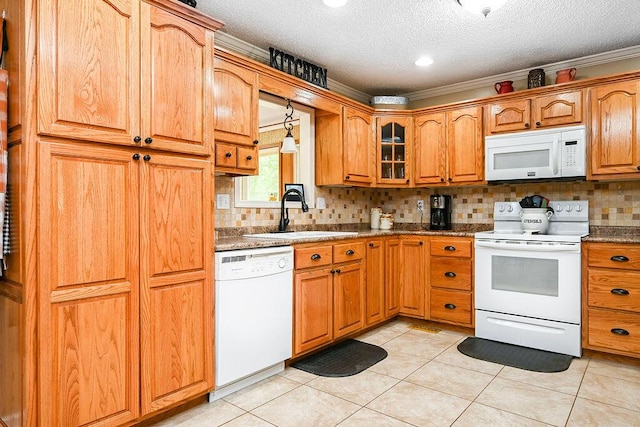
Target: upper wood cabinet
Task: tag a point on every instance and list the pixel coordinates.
(236, 118)
(125, 72)
(394, 151)
(449, 147)
(431, 149)
(615, 131)
(465, 146)
(533, 113)
(357, 159)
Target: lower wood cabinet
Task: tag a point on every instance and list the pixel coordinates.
(611, 314)
(375, 282)
(125, 308)
(413, 280)
(451, 280)
(329, 289)
(392, 277)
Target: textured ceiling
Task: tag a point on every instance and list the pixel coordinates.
(371, 45)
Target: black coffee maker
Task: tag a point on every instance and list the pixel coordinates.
(440, 212)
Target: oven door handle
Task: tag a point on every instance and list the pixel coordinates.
(571, 247)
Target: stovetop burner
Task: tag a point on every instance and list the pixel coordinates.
(569, 223)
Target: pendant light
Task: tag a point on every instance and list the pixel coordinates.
(289, 144)
(481, 6)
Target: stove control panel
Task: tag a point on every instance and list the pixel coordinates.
(569, 211)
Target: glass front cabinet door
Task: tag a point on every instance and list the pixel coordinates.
(394, 150)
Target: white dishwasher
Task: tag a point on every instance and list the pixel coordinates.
(253, 316)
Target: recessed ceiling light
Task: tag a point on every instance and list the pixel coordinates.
(425, 61)
(335, 3)
(481, 6)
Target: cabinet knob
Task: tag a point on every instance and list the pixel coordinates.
(338, 271)
(148, 140)
(450, 274)
(619, 331)
(407, 181)
(249, 157)
(619, 258)
(137, 138)
(450, 306)
(450, 179)
(371, 245)
(256, 142)
(332, 272)
(638, 168)
(538, 124)
(315, 257)
(527, 125)
(136, 156)
(350, 252)
(421, 243)
(450, 248)
(228, 154)
(146, 157)
(441, 179)
(618, 291)
(347, 177)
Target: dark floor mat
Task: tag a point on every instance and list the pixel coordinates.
(526, 358)
(342, 360)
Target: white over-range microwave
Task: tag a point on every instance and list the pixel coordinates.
(538, 154)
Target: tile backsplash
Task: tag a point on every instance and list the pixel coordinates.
(610, 204)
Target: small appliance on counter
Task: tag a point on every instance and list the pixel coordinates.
(440, 218)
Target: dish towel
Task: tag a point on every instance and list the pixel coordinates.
(4, 242)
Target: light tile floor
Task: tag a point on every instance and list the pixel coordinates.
(425, 381)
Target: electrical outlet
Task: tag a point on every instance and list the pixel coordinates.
(321, 203)
(420, 205)
(222, 201)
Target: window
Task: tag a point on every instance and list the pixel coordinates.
(276, 169)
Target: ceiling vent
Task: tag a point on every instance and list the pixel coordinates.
(389, 101)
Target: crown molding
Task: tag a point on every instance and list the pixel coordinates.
(583, 62)
(234, 44)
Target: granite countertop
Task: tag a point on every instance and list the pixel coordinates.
(232, 239)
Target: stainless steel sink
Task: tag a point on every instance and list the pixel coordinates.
(301, 235)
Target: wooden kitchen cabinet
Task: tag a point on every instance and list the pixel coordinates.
(357, 147)
(375, 282)
(431, 149)
(615, 131)
(392, 276)
(465, 146)
(236, 118)
(413, 255)
(451, 280)
(329, 293)
(555, 109)
(119, 184)
(128, 240)
(394, 151)
(449, 147)
(611, 312)
(140, 75)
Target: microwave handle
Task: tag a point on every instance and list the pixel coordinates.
(530, 248)
(556, 155)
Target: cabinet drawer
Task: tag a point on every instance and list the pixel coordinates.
(603, 322)
(226, 155)
(619, 290)
(453, 247)
(312, 257)
(344, 252)
(452, 306)
(247, 157)
(614, 256)
(453, 273)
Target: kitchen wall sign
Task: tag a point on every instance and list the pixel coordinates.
(297, 67)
